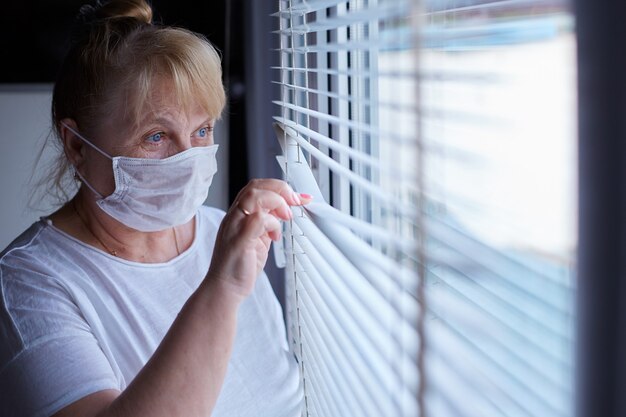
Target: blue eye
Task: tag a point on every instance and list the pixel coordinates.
(204, 132)
(155, 138)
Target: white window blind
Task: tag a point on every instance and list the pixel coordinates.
(352, 287)
(433, 274)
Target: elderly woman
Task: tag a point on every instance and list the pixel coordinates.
(133, 299)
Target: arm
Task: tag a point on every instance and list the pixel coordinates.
(185, 375)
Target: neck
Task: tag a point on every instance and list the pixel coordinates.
(91, 225)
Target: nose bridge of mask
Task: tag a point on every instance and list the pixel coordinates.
(88, 142)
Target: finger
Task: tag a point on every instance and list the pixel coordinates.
(279, 187)
(273, 227)
(305, 198)
(254, 200)
(241, 209)
(259, 224)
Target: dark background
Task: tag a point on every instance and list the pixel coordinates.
(34, 34)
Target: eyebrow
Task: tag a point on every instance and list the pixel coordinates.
(168, 122)
(208, 121)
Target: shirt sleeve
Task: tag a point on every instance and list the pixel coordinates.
(49, 357)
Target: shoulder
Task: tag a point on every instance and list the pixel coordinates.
(30, 249)
(28, 270)
(28, 237)
(31, 297)
(29, 262)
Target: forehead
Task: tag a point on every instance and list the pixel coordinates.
(161, 102)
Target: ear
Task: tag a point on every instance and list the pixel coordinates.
(73, 146)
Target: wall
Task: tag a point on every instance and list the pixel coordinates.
(25, 126)
(25, 121)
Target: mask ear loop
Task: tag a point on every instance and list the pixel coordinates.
(76, 172)
(84, 181)
(87, 142)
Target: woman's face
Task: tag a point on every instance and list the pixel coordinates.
(164, 129)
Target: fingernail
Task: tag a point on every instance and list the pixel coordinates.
(296, 198)
(306, 196)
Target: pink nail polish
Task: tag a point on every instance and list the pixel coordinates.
(306, 196)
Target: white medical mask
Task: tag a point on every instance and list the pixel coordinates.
(156, 194)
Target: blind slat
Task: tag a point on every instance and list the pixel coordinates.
(530, 340)
(345, 377)
(343, 354)
(488, 399)
(292, 130)
(547, 307)
(333, 396)
(307, 181)
(355, 125)
(508, 384)
(363, 102)
(393, 361)
(505, 348)
(356, 368)
(333, 22)
(343, 313)
(344, 47)
(362, 228)
(364, 74)
(350, 256)
(308, 6)
(336, 276)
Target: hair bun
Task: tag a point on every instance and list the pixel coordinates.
(99, 10)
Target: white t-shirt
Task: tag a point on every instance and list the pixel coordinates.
(75, 320)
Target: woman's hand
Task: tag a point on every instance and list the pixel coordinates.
(247, 230)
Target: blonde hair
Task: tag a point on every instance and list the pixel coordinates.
(117, 56)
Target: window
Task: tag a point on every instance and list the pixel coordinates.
(433, 275)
